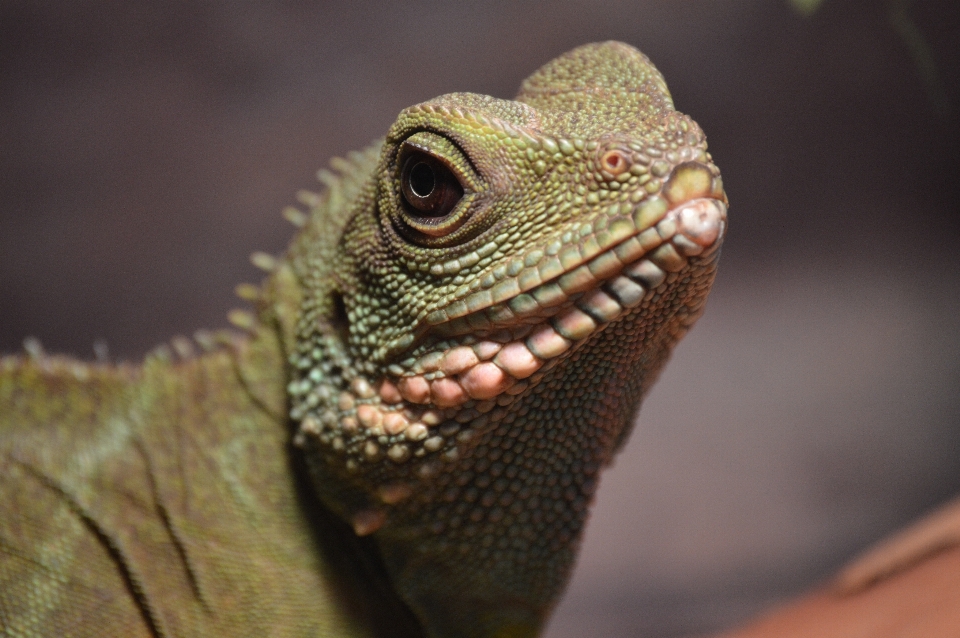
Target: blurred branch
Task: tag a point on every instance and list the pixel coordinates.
(806, 7)
(910, 34)
(922, 55)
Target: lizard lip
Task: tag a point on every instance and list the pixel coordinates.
(583, 258)
(520, 337)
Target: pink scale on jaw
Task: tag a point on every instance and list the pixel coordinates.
(366, 522)
(389, 394)
(395, 423)
(414, 389)
(485, 381)
(575, 324)
(700, 221)
(458, 359)
(517, 360)
(546, 343)
(486, 349)
(369, 416)
(447, 393)
(393, 494)
(602, 304)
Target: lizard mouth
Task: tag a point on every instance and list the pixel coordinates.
(506, 344)
(500, 339)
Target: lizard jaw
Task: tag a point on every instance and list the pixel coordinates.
(492, 370)
(489, 371)
(593, 295)
(423, 412)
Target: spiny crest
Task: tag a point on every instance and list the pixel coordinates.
(327, 211)
(350, 175)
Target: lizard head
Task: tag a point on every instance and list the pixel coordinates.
(492, 308)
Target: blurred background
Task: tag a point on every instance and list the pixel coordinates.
(147, 148)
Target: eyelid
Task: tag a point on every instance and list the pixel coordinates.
(422, 222)
(432, 209)
(445, 151)
(463, 222)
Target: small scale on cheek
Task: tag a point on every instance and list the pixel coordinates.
(370, 417)
(395, 423)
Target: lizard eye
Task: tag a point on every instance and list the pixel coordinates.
(430, 189)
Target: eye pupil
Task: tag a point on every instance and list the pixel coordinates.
(422, 179)
(430, 191)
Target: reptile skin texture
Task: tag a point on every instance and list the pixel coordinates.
(406, 434)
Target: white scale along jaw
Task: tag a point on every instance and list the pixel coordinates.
(501, 296)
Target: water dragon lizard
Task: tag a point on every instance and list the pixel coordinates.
(406, 437)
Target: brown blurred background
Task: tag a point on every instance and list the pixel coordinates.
(147, 148)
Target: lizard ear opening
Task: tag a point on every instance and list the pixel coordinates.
(338, 318)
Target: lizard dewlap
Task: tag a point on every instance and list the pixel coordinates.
(477, 334)
(406, 436)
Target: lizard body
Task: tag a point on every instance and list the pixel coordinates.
(452, 348)
(120, 517)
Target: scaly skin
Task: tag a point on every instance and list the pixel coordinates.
(468, 319)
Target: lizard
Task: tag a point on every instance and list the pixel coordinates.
(406, 436)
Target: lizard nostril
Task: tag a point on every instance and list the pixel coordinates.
(339, 319)
(615, 162)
